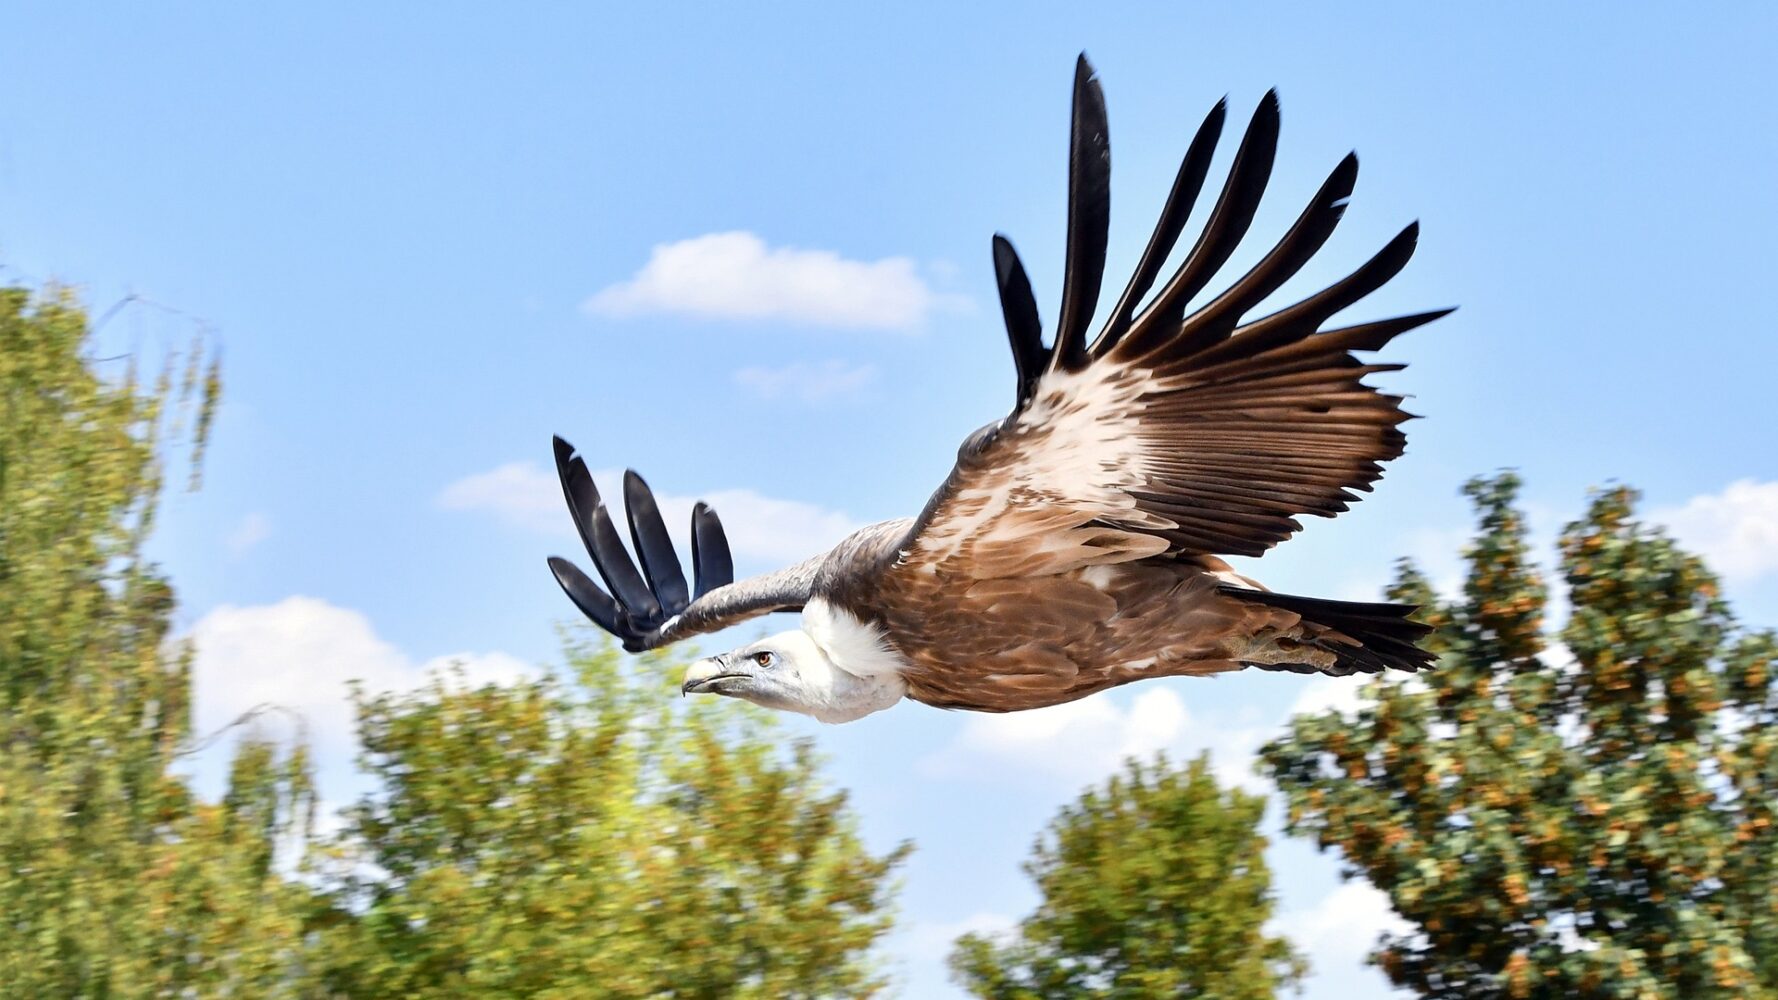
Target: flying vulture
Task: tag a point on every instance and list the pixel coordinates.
(1075, 545)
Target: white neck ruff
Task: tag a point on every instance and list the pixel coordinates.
(871, 672)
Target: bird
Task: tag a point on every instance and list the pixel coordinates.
(1078, 543)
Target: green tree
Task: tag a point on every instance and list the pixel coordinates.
(1594, 828)
(1155, 885)
(115, 880)
(594, 839)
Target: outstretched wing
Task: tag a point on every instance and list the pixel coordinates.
(1172, 433)
(652, 607)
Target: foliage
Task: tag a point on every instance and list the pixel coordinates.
(1154, 885)
(1600, 828)
(114, 879)
(594, 839)
(537, 839)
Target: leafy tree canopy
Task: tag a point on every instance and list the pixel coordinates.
(594, 839)
(1154, 885)
(1595, 824)
(585, 838)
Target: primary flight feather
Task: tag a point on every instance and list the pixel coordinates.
(1075, 545)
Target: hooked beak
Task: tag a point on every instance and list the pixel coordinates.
(703, 675)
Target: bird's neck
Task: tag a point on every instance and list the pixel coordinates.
(867, 674)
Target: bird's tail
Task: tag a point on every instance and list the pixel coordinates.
(1381, 636)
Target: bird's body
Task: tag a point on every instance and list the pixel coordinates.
(1004, 645)
(1007, 646)
(1076, 544)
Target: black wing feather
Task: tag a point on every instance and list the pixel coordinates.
(1187, 185)
(600, 535)
(712, 566)
(652, 607)
(1024, 330)
(660, 564)
(1236, 425)
(1089, 217)
(1228, 224)
(592, 602)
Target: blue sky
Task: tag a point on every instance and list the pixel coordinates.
(427, 237)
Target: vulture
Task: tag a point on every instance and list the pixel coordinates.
(1077, 544)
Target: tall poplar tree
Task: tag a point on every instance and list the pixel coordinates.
(115, 880)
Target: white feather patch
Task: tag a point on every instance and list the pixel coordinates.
(851, 645)
(1081, 449)
(1092, 425)
(1099, 577)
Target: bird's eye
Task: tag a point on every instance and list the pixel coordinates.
(765, 659)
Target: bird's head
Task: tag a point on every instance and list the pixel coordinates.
(791, 672)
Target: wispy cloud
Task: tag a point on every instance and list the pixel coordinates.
(1078, 742)
(298, 655)
(767, 528)
(761, 528)
(1345, 695)
(252, 529)
(520, 494)
(1437, 553)
(806, 381)
(932, 940)
(1338, 931)
(735, 275)
(1736, 531)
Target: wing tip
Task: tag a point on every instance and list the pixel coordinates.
(1402, 324)
(633, 481)
(1018, 308)
(1089, 217)
(1408, 238)
(1270, 106)
(1089, 97)
(1006, 256)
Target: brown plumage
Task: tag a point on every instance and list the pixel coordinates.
(1075, 545)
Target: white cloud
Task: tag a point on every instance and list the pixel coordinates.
(1436, 552)
(1736, 531)
(1083, 741)
(734, 275)
(1345, 694)
(922, 947)
(931, 941)
(1559, 657)
(299, 655)
(1339, 931)
(807, 382)
(253, 529)
(521, 494)
(767, 528)
(760, 528)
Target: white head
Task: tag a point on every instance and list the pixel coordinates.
(792, 672)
